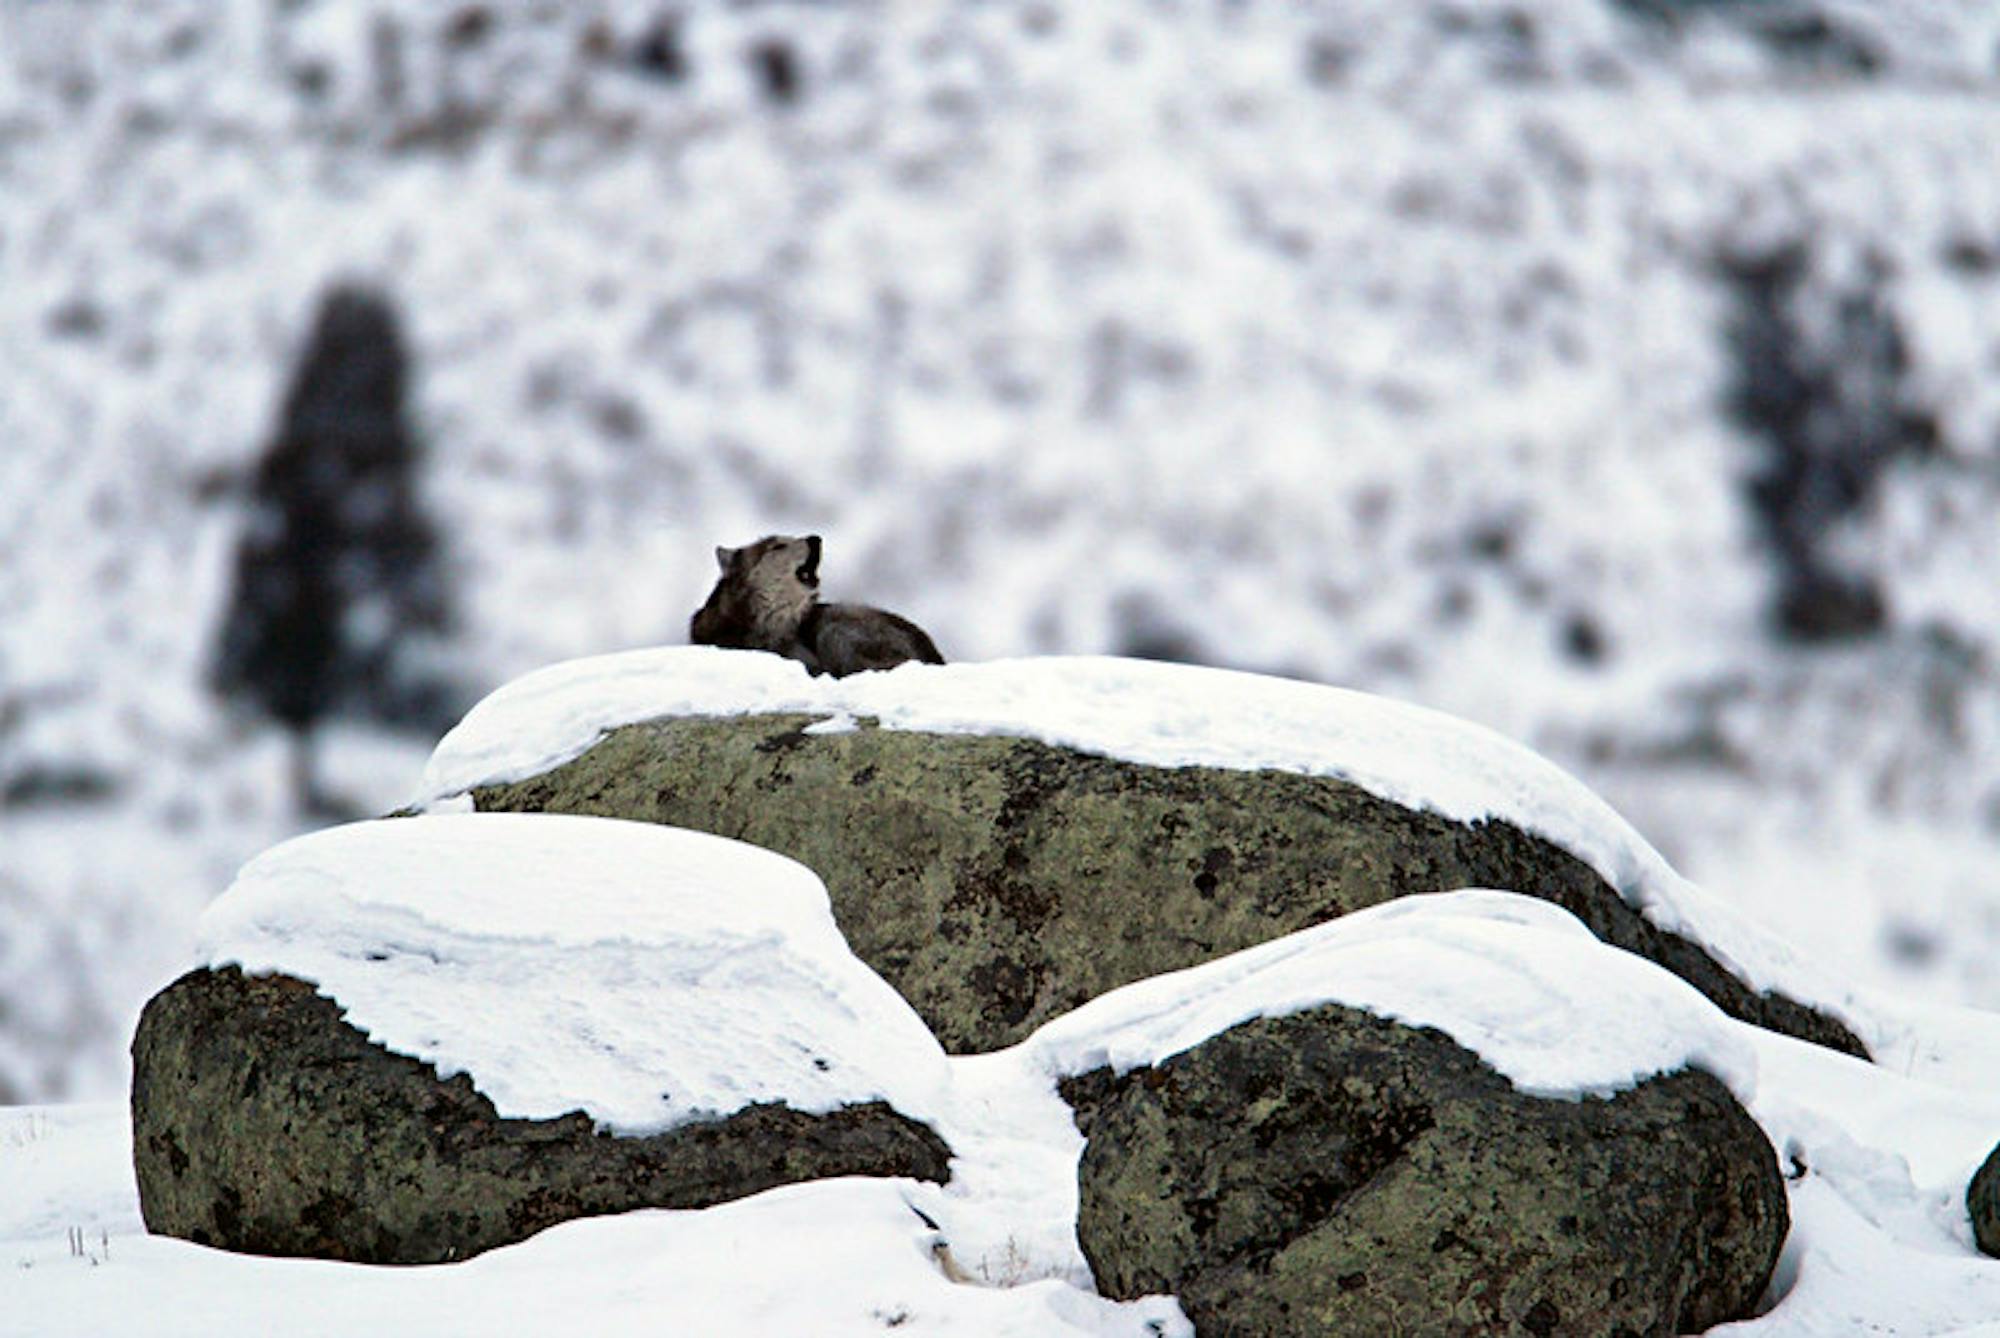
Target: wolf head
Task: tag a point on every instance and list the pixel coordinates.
(769, 585)
(773, 562)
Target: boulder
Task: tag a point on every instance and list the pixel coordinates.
(1982, 1200)
(1333, 1172)
(262, 1121)
(997, 882)
(415, 1040)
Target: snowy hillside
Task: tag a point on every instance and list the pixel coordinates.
(1614, 372)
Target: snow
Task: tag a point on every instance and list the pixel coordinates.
(1519, 982)
(836, 1257)
(1141, 711)
(58, 1174)
(1164, 715)
(646, 975)
(1880, 1240)
(1877, 1161)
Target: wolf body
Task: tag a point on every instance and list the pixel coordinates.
(767, 598)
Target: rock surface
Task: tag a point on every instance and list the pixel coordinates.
(1333, 1172)
(998, 882)
(1982, 1200)
(262, 1122)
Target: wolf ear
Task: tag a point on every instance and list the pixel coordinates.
(722, 556)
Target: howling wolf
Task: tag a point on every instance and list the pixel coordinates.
(767, 598)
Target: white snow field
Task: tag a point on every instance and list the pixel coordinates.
(551, 925)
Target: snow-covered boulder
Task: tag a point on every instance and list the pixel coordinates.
(1005, 841)
(415, 1040)
(1447, 1115)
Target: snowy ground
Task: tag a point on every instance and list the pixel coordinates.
(841, 1257)
(1878, 1162)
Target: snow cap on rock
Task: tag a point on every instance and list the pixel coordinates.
(646, 975)
(1517, 981)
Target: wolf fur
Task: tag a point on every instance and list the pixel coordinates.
(767, 598)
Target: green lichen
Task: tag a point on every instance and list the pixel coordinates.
(1391, 1182)
(262, 1122)
(999, 882)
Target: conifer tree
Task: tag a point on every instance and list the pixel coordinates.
(338, 584)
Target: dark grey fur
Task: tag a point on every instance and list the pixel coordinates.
(767, 598)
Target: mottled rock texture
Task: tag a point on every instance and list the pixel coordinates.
(1334, 1173)
(1982, 1200)
(1000, 882)
(262, 1122)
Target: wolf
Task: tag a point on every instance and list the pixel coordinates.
(767, 598)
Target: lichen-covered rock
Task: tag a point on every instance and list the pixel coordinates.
(263, 1122)
(997, 882)
(1332, 1172)
(1982, 1200)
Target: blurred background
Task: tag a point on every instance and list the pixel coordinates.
(1623, 374)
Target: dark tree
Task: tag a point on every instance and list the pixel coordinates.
(1822, 381)
(339, 591)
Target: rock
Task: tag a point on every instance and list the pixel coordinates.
(1333, 1172)
(1982, 1200)
(263, 1122)
(632, 1017)
(997, 882)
